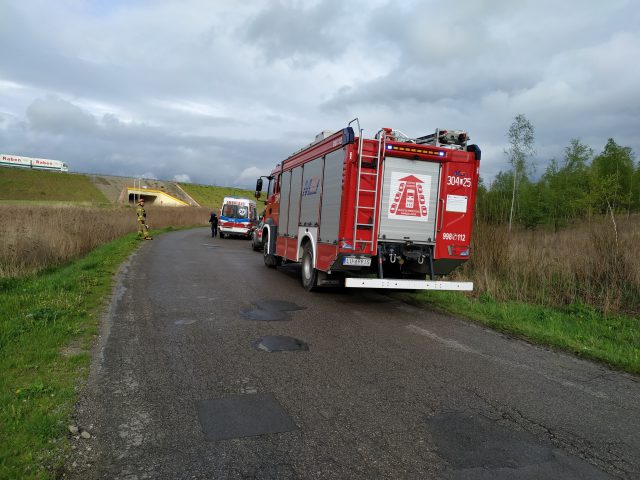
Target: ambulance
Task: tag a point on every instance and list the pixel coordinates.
(237, 217)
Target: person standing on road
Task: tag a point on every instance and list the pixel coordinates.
(214, 224)
(143, 229)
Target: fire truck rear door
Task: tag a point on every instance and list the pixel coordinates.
(409, 200)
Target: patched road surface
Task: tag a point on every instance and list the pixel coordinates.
(211, 366)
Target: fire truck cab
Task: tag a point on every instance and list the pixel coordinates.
(386, 212)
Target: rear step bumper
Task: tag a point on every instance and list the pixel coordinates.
(406, 284)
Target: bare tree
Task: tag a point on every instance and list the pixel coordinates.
(521, 136)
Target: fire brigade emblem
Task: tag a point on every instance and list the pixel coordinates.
(408, 196)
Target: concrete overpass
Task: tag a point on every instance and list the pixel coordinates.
(153, 197)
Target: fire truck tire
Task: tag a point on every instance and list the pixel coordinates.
(271, 261)
(308, 273)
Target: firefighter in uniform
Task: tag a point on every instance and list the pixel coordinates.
(143, 229)
(213, 220)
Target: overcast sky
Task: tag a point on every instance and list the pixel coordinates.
(218, 92)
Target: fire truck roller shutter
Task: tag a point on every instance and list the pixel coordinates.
(294, 201)
(331, 196)
(409, 200)
(311, 193)
(285, 189)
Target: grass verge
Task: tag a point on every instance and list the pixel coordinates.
(47, 324)
(613, 339)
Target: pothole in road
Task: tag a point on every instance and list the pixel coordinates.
(468, 441)
(276, 343)
(476, 447)
(243, 416)
(270, 310)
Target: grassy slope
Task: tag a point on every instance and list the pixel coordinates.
(39, 317)
(38, 185)
(22, 185)
(211, 197)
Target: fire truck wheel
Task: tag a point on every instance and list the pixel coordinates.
(309, 274)
(270, 261)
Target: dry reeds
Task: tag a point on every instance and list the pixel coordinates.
(36, 237)
(594, 263)
(591, 263)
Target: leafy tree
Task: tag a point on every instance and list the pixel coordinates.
(577, 156)
(530, 203)
(575, 178)
(577, 186)
(494, 203)
(566, 188)
(521, 137)
(635, 189)
(612, 174)
(551, 185)
(481, 200)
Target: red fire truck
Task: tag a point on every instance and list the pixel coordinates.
(386, 212)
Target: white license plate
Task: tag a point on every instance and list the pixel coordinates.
(355, 261)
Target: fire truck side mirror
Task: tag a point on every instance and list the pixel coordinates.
(258, 187)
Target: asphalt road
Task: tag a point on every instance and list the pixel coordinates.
(179, 387)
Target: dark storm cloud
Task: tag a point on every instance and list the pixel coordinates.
(458, 85)
(287, 30)
(221, 91)
(59, 130)
(57, 116)
(34, 57)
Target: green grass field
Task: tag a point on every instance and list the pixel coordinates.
(47, 325)
(41, 186)
(211, 197)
